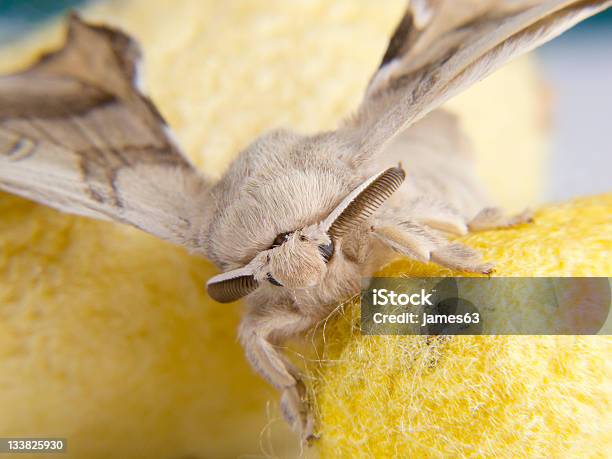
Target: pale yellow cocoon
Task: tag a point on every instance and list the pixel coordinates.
(478, 396)
(106, 334)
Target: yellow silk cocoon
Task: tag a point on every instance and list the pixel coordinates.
(107, 337)
(478, 396)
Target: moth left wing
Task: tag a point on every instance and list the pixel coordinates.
(77, 134)
(441, 47)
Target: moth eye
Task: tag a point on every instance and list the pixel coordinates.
(326, 251)
(273, 281)
(280, 239)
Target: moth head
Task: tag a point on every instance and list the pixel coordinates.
(295, 260)
(300, 258)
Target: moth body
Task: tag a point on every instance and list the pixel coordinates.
(285, 183)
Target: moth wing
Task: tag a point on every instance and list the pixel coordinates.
(441, 47)
(76, 134)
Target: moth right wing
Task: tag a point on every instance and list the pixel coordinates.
(441, 47)
(77, 134)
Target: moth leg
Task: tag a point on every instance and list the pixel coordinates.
(425, 244)
(436, 215)
(261, 332)
(494, 218)
(462, 258)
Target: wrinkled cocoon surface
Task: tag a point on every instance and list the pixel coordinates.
(478, 396)
(106, 334)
